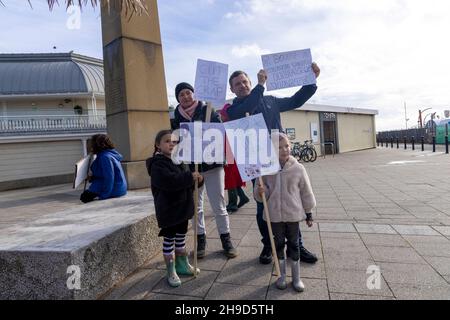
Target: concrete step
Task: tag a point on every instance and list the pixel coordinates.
(78, 253)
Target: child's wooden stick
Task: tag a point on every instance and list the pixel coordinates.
(269, 227)
(207, 119)
(208, 112)
(195, 222)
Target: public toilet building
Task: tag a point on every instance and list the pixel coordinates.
(343, 129)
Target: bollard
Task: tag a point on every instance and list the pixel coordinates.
(387, 143)
(413, 143)
(434, 144)
(446, 144)
(398, 146)
(423, 143)
(404, 139)
(392, 142)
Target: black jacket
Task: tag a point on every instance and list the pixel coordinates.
(172, 188)
(269, 106)
(199, 115)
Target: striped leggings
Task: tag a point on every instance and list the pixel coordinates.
(171, 244)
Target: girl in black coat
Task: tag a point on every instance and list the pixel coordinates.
(172, 188)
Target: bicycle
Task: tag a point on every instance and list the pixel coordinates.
(297, 151)
(304, 152)
(309, 153)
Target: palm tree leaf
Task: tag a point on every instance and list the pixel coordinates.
(130, 6)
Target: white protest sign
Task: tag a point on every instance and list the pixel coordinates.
(82, 170)
(250, 142)
(211, 82)
(288, 69)
(200, 142)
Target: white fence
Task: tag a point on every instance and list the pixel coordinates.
(36, 124)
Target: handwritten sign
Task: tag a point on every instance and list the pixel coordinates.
(200, 142)
(82, 170)
(288, 69)
(211, 82)
(250, 142)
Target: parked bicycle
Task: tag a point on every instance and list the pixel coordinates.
(304, 152)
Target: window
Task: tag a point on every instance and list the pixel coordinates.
(78, 110)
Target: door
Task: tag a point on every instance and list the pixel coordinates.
(329, 136)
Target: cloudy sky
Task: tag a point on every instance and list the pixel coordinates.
(373, 54)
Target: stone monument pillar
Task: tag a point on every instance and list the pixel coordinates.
(135, 87)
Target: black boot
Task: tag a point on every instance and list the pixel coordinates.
(306, 256)
(243, 199)
(201, 245)
(232, 200)
(227, 246)
(266, 255)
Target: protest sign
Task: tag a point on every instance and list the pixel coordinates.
(288, 69)
(200, 142)
(82, 170)
(211, 82)
(250, 142)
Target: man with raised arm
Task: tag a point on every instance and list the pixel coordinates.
(254, 102)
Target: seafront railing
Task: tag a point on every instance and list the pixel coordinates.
(43, 124)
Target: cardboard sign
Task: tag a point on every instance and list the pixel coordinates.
(253, 151)
(211, 82)
(200, 142)
(288, 69)
(82, 170)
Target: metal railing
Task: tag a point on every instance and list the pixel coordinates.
(323, 148)
(36, 124)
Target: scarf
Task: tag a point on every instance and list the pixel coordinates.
(188, 112)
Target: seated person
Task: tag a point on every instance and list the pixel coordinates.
(108, 179)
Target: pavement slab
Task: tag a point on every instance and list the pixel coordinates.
(415, 230)
(402, 273)
(385, 240)
(374, 228)
(355, 282)
(420, 292)
(223, 291)
(336, 227)
(315, 289)
(395, 254)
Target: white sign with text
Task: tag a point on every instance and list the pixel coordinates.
(200, 142)
(253, 150)
(288, 69)
(211, 82)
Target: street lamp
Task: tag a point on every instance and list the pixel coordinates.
(420, 116)
(424, 119)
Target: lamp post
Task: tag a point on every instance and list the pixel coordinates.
(406, 118)
(424, 119)
(421, 112)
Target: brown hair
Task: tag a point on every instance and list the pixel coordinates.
(101, 142)
(159, 137)
(235, 75)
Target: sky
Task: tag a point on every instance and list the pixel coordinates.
(373, 54)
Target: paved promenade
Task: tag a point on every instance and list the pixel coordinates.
(382, 208)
